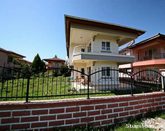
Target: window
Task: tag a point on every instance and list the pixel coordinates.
(106, 46)
(82, 50)
(150, 53)
(89, 48)
(56, 64)
(10, 59)
(82, 71)
(106, 71)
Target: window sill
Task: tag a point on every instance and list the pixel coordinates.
(105, 51)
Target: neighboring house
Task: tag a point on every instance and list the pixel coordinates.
(23, 61)
(54, 62)
(124, 50)
(149, 54)
(9, 58)
(93, 45)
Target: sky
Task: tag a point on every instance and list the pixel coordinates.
(29, 27)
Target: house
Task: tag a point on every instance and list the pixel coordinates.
(54, 62)
(149, 54)
(92, 45)
(25, 62)
(10, 58)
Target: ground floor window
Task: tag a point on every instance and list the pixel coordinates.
(82, 71)
(106, 72)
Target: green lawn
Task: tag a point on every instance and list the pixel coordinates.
(43, 88)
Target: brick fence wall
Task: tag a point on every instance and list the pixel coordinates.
(77, 112)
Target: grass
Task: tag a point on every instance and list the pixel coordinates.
(133, 126)
(136, 125)
(162, 116)
(49, 87)
(43, 87)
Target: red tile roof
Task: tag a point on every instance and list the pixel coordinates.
(54, 59)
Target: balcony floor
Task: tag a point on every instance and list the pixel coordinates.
(104, 57)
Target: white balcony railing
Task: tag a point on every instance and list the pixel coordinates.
(80, 49)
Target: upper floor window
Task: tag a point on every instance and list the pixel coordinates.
(89, 48)
(82, 50)
(106, 46)
(10, 59)
(56, 64)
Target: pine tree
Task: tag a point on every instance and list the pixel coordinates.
(37, 65)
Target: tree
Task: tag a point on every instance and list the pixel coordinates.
(38, 65)
(64, 70)
(26, 72)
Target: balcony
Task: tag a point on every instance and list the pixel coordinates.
(156, 56)
(87, 54)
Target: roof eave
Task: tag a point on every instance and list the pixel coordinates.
(147, 40)
(11, 53)
(72, 19)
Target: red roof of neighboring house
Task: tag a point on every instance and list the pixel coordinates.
(54, 59)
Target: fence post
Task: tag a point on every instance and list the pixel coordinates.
(2, 79)
(162, 80)
(163, 83)
(27, 89)
(88, 87)
(131, 86)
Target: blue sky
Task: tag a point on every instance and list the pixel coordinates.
(29, 27)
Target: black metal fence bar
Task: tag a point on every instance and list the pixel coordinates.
(54, 84)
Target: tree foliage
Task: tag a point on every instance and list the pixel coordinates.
(26, 71)
(64, 70)
(38, 65)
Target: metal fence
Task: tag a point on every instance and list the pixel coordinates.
(16, 84)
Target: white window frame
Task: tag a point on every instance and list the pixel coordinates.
(106, 46)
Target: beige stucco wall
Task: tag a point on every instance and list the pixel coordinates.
(97, 78)
(78, 66)
(97, 44)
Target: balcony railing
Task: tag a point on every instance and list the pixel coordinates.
(156, 56)
(81, 48)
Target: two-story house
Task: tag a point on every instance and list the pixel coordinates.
(55, 62)
(9, 58)
(93, 45)
(149, 55)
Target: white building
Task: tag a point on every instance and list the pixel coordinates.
(93, 46)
